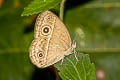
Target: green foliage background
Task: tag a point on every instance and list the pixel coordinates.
(99, 21)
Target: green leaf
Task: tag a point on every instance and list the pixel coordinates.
(38, 6)
(100, 29)
(71, 69)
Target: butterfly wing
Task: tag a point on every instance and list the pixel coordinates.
(42, 34)
(51, 40)
(60, 43)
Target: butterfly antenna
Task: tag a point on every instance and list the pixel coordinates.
(74, 51)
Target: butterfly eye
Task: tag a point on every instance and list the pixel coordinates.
(46, 30)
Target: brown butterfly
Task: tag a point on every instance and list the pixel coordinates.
(51, 42)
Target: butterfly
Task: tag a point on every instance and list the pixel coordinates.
(51, 42)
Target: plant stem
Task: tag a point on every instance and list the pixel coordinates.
(61, 14)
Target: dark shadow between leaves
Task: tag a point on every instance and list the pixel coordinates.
(74, 3)
(44, 74)
(30, 24)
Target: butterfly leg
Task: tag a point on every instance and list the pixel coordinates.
(75, 54)
(62, 61)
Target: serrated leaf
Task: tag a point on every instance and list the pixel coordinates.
(101, 27)
(71, 69)
(38, 6)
